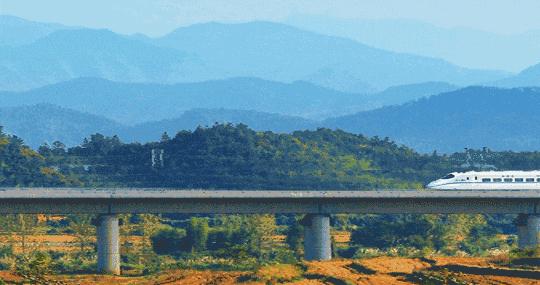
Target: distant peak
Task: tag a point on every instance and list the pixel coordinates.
(10, 19)
(247, 26)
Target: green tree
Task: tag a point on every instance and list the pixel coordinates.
(262, 231)
(35, 268)
(168, 240)
(83, 229)
(295, 238)
(197, 234)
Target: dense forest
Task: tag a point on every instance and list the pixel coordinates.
(235, 157)
(227, 156)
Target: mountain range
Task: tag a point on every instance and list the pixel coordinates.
(47, 123)
(64, 83)
(67, 54)
(16, 31)
(283, 53)
(210, 51)
(471, 117)
(34, 54)
(459, 45)
(133, 103)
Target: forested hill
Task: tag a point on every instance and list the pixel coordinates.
(236, 157)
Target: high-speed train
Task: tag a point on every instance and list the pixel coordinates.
(488, 180)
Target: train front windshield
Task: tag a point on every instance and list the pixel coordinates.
(449, 176)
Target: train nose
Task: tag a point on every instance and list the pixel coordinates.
(431, 184)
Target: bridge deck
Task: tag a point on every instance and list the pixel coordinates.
(140, 200)
(164, 193)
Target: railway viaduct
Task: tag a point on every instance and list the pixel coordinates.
(316, 205)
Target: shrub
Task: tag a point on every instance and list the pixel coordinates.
(278, 274)
(6, 250)
(35, 267)
(168, 241)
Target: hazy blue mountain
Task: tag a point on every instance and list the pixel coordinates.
(396, 95)
(528, 77)
(131, 103)
(212, 51)
(45, 123)
(341, 80)
(501, 119)
(461, 46)
(472, 117)
(15, 31)
(284, 53)
(68, 54)
(152, 131)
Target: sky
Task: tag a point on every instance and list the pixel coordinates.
(158, 17)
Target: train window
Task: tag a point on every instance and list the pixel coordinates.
(486, 179)
(518, 180)
(529, 179)
(508, 180)
(537, 179)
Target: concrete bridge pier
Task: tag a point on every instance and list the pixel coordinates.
(533, 231)
(317, 243)
(108, 244)
(522, 231)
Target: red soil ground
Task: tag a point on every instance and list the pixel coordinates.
(373, 271)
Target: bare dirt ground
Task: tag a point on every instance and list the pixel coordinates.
(372, 271)
(59, 243)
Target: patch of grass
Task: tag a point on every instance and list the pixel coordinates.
(525, 253)
(275, 274)
(284, 272)
(220, 264)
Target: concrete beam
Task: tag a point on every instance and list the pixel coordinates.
(317, 243)
(533, 231)
(108, 244)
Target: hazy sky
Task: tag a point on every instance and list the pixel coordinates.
(156, 17)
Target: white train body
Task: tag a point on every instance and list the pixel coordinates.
(488, 180)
